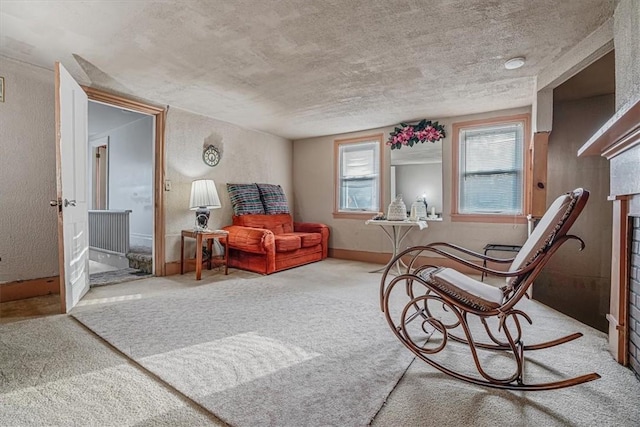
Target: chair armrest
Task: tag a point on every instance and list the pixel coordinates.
(415, 252)
(472, 253)
(309, 227)
(314, 227)
(249, 239)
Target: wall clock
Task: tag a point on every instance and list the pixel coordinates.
(211, 156)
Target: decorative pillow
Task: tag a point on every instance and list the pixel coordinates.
(245, 199)
(273, 199)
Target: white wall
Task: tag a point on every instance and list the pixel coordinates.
(247, 156)
(28, 225)
(314, 191)
(131, 176)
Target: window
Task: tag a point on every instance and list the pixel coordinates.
(358, 183)
(490, 168)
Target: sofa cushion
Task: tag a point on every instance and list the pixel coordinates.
(287, 242)
(245, 199)
(273, 199)
(309, 239)
(275, 229)
(278, 224)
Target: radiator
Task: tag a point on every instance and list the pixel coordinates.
(109, 231)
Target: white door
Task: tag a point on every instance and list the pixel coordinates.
(71, 168)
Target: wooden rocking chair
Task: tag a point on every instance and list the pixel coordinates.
(428, 306)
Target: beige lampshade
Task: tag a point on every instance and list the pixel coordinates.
(204, 195)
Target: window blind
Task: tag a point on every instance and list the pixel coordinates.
(359, 176)
(491, 170)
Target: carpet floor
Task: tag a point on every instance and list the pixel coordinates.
(54, 373)
(284, 349)
(255, 353)
(426, 396)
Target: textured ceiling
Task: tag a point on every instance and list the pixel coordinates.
(301, 68)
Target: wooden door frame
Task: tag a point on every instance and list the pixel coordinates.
(160, 114)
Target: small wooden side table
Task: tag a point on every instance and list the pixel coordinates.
(207, 236)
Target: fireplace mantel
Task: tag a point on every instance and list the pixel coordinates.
(618, 140)
(618, 134)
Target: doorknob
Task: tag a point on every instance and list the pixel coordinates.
(55, 202)
(69, 203)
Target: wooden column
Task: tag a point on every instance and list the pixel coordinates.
(619, 302)
(538, 189)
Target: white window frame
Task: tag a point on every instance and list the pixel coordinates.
(457, 169)
(341, 211)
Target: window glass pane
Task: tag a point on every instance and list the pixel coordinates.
(359, 176)
(359, 195)
(495, 193)
(491, 170)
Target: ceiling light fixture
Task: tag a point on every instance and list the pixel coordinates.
(514, 63)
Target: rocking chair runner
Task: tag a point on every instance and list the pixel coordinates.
(459, 298)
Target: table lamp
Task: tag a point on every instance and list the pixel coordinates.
(203, 197)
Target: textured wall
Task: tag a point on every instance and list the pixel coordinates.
(578, 283)
(314, 191)
(247, 156)
(627, 44)
(28, 225)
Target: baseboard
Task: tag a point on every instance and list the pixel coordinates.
(172, 268)
(383, 258)
(351, 255)
(23, 289)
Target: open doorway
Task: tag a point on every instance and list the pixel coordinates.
(581, 105)
(72, 173)
(120, 184)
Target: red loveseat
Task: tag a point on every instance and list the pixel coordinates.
(268, 243)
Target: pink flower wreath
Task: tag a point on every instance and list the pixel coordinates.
(424, 131)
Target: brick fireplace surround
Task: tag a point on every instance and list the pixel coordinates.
(619, 142)
(634, 299)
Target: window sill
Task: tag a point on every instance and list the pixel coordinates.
(354, 215)
(489, 218)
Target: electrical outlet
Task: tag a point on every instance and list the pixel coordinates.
(167, 185)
